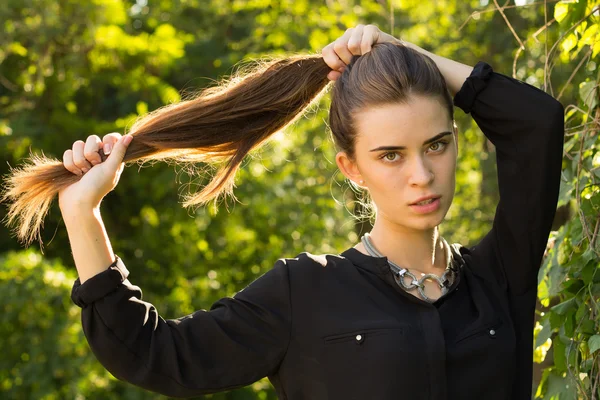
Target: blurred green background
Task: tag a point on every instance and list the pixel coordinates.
(72, 68)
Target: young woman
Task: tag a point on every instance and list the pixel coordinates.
(402, 314)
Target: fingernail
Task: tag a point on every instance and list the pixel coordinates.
(84, 170)
(127, 139)
(107, 149)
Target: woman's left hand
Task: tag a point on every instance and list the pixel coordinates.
(355, 41)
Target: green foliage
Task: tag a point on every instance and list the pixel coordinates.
(69, 69)
(44, 353)
(570, 275)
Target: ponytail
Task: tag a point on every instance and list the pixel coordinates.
(219, 126)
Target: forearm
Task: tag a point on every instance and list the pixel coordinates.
(455, 73)
(90, 245)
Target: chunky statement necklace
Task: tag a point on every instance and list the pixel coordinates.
(444, 282)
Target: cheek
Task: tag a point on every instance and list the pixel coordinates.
(448, 177)
(450, 169)
(379, 174)
(447, 166)
(384, 184)
(388, 181)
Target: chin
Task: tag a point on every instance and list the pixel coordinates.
(418, 222)
(426, 221)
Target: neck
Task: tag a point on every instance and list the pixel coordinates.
(421, 250)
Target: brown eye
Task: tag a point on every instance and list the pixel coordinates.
(390, 156)
(441, 146)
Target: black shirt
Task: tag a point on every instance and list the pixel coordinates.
(338, 326)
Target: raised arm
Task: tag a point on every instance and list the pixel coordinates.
(455, 73)
(358, 40)
(527, 127)
(240, 340)
(80, 202)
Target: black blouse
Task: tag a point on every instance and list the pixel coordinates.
(338, 326)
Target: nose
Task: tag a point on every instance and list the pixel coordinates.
(420, 172)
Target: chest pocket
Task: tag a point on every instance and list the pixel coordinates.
(479, 323)
(492, 340)
(491, 330)
(373, 363)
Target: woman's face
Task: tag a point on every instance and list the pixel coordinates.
(404, 152)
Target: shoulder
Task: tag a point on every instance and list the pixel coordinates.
(306, 260)
(308, 267)
(304, 264)
(315, 275)
(480, 259)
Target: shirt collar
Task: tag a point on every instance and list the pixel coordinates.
(380, 266)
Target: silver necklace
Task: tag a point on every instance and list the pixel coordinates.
(444, 282)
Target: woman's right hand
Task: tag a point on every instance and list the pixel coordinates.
(97, 177)
(355, 41)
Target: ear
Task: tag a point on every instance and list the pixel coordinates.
(349, 168)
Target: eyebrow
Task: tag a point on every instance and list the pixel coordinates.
(431, 140)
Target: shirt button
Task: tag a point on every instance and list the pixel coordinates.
(359, 339)
(492, 332)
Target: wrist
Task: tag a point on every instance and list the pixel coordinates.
(77, 205)
(79, 209)
(412, 46)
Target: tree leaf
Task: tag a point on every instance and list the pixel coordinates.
(561, 10)
(594, 343)
(565, 306)
(560, 361)
(588, 327)
(565, 196)
(559, 387)
(544, 334)
(569, 324)
(588, 93)
(591, 272)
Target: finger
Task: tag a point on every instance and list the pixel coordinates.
(334, 75)
(355, 40)
(118, 152)
(340, 47)
(370, 36)
(68, 162)
(331, 58)
(90, 150)
(109, 141)
(79, 158)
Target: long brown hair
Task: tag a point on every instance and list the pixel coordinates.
(222, 124)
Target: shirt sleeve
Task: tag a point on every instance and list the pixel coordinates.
(238, 341)
(527, 127)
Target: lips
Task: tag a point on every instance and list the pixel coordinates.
(433, 196)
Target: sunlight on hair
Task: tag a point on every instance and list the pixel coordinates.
(208, 135)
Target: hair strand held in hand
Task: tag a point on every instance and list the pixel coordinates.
(220, 126)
